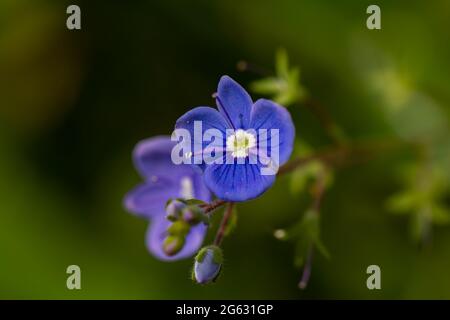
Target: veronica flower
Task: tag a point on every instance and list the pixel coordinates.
(240, 121)
(164, 180)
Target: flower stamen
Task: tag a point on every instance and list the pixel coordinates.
(240, 143)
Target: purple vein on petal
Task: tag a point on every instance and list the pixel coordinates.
(263, 122)
(225, 111)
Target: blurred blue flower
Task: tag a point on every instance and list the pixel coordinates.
(162, 181)
(240, 179)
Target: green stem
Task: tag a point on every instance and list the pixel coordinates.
(318, 192)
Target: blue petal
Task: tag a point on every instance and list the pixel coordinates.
(210, 119)
(237, 182)
(164, 179)
(152, 159)
(234, 103)
(269, 115)
(149, 199)
(157, 232)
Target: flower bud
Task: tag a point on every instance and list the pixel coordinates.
(173, 244)
(179, 228)
(208, 263)
(173, 209)
(193, 215)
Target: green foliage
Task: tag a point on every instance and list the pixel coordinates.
(284, 88)
(305, 174)
(306, 234)
(422, 197)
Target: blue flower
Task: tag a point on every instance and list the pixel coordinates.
(164, 180)
(241, 179)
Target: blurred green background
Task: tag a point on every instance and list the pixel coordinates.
(74, 103)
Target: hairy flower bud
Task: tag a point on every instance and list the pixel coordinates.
(208, 263)
(173, 209)
(193, 215)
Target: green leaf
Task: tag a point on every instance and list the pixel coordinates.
(306, 233)
(322, 249)
(419, 225)
(304, 174)
(267, 86)
(440, 215)
(402, 202)
(425, 189)
(284, 88)
(299, 180)
(282, 63)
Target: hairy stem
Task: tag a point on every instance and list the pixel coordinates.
(210, 207)
(226, 217)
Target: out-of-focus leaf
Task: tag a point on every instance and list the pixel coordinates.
(440, 215)
(425, 187)
(304, 174)
(420, 224)
(267, 86)
(421, 118)
(282, 63)
(306, 233)
(285, 87)
(401, 202)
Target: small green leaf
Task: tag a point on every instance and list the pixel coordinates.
(420, 224)
(402, 202)
(282, 63)
(440, 215)
(306, 233)
(299, 179)
(304, 174)
(284, 88)
(267, 86)
(322, 249)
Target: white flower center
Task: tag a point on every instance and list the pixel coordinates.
(240, 143)
(187, 188)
